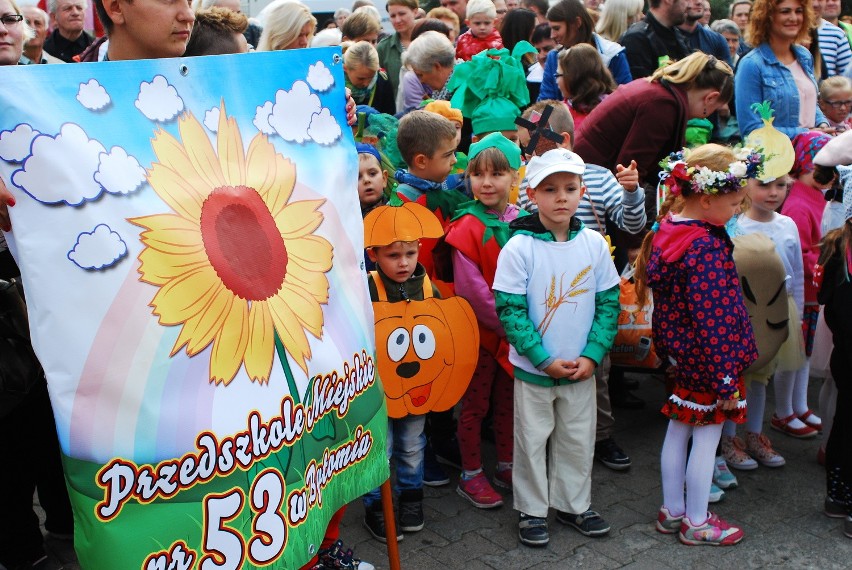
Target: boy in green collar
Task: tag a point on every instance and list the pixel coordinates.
(556, 292)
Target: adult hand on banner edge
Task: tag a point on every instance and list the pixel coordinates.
(351, 114)
(6, 202)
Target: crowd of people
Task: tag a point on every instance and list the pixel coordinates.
(566, 149)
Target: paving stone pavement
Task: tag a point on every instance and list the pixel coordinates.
(780, 511)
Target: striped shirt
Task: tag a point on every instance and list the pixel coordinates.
(834, 48)
(605, 199)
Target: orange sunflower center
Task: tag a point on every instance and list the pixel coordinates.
(243, 243)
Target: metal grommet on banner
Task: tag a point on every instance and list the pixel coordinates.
(184, 69)
(336, 58)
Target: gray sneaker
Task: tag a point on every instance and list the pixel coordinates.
(589, 523)
(532, 531)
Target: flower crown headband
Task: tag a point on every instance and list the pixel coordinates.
(678, 178)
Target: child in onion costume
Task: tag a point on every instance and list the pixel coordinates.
(425, 349)
(763, 292)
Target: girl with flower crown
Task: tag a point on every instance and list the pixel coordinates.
(701, 325)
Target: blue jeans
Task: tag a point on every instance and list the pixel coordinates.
(406, 442)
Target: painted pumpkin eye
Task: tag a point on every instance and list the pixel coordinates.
(424, 342)
(398, 343)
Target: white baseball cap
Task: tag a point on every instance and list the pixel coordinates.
(551, 162)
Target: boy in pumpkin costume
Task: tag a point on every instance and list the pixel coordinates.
(399, 277)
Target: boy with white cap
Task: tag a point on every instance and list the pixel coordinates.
(556, 292)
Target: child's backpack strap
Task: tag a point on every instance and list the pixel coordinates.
(427, 287)
(381, 292)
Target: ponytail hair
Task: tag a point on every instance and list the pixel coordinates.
(836, 242)
(640, 278)
(699, 71)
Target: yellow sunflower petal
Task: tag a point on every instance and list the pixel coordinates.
(307, 310)
(229, 346)
(315, 283)
(199, 152)
(187, 295)
(180, 190)
(314, 253)
(232, 157)
(158, 268)
(170, 234)
(299, 218)
(272, 175)
(289, 331)
(199, 330)
(261, 345)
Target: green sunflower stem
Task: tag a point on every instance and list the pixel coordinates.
(291, 384)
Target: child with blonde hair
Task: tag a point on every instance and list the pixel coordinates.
(700, 325)
(481, 34)
(477, 234)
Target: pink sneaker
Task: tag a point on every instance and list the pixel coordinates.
(714, 532)
(733, 450)
(479, 492)
(503, 479)
(667, 523)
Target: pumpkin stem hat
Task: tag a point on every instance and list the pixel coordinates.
(400, 221)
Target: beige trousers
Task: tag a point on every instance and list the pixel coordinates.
(564, 416)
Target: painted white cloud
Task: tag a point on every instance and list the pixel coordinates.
(15, 144)
(158, 100)
(61, 168)
(319, 77)
(324, 128)
(92, 95)
(118, 172)
(211, 119)
(98, 249)
(292, 113)
(261, 118)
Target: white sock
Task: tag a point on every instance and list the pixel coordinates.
(471, 474)
(800, 391)
(673, 466)
(699, 471)
(756, 401)
(784, 383)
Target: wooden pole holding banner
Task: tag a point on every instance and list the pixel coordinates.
(390, 526)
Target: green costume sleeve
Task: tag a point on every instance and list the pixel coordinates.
(520, 331)
(604, 325)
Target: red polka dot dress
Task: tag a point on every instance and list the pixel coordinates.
(700, 322)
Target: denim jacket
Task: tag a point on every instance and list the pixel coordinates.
(761, 77)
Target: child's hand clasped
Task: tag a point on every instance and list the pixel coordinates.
(727, 405)
(580, 369)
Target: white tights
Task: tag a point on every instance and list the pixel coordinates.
(791, 394)
(756, 400)
(697, 473)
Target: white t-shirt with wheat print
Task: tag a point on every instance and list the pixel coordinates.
(560, 280)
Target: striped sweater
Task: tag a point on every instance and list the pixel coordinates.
(834, 47)
(606, 199)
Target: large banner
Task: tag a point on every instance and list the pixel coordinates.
(191, 247)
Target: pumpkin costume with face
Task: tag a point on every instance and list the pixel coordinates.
(425, 346)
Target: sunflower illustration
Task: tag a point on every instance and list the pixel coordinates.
(237, 263)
